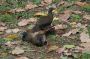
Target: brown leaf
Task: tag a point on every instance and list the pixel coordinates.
(60, 26)
(2, 24)
(48, 1)
(22, 57)
(8, 31)
(87, 17)
(3, 28)
(60, 50)
(84, 37)
(80, 3)
(17, 10)
(30, 6)
(16, 30)
(77, 12)
(64, 17)
(24, 22)
(52, 48)
(86, 46)
(17, 51)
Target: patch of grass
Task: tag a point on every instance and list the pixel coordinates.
(56, 1)
(4, 7)
(37, 2)
(24, 14)
(86, 8)
(88, 29)
(17, 3)
(75, 17)
(7, 18)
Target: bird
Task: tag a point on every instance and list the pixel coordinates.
(44, 21)
(37, 34)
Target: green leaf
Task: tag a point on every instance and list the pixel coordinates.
(30, 26)
(69, 46)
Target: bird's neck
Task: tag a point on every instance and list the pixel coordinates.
(50, 13)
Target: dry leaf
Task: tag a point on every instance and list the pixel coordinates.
(86, 17)
(33, 20)
(30, 6)
(84, 37)
(52, 48)
(3, 28)
(12, 36)
(24, 22)
(86, 46)
(22, 58)
(80, 3)
(17, 51)
(64, 17)
(48, 1)
(73, 31)
(16, 30)
(17, 10)
(9, 31)
(60, 26)
(77, 12)
(2, 24)
(60, 50)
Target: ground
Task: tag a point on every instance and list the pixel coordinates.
(71, 22)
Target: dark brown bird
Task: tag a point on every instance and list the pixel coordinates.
(44, 21)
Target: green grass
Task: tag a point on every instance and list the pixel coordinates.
(86, 8)
(75, 17)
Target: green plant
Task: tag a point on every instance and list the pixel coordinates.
(37, 1)
(75, 17)
(7, 18)
(86, 8)
(88, 27)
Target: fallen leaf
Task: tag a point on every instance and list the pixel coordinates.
(3, 28)
(45, 2)
(24, 22)
(84, 37)
(60, 26)
(86, 46)
(12, 36)
(48, 1)
(68, 46)
(22, 58)
(30, 5)
(16, 30)
(80, 3)
(17, 10)
(64, 17)
(73, 31)
(17, 51)
(77, 12)
(8, 31)
(52, 48)
(2, 24)
(33, 20)
(60, 50)
(87, 17)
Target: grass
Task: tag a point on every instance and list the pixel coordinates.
(86, 8)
